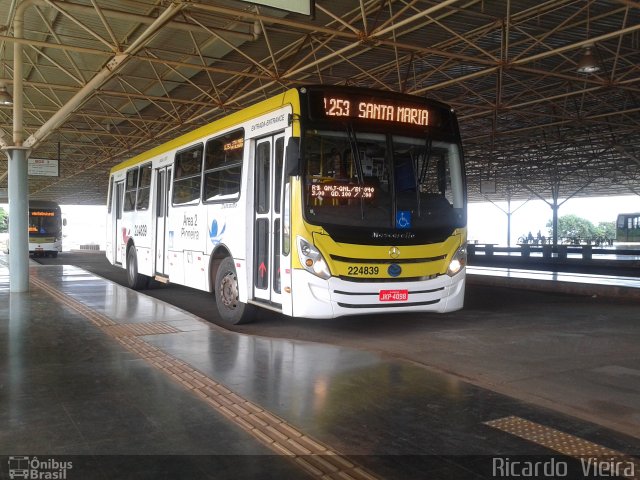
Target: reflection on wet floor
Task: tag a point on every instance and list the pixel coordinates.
(85, 382)
(536, 275)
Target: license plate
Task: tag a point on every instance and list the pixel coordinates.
(394, 295)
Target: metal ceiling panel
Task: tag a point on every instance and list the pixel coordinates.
(528, 119)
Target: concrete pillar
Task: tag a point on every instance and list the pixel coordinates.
(554, 221)
(509, 221)
(18, 220)
(562, 252)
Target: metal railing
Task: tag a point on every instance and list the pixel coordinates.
(547, 251)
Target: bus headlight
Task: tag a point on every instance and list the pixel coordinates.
(312, 260)
(458, 261)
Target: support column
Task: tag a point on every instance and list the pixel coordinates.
(554, 222)
(508, 212)
(18, 220)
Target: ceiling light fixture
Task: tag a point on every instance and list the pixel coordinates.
(588, 63)
(5, 98)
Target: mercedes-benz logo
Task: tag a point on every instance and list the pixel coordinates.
(394, 252)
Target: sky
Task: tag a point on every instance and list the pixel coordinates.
(487, 223)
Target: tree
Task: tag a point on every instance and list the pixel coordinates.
(574, 228)
(606, 231)
(4, 226)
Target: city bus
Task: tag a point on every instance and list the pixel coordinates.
(628, 229)
(45, 228)
(319, 202)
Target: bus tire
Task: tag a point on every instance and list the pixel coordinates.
(135, 280)
(232, 311)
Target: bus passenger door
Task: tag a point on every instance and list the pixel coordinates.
(118, 234)
(163, 185)
(267, 248)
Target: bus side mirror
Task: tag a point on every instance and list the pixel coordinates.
(64, 222)
(292, 158)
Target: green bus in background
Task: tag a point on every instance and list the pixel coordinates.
(628, 228)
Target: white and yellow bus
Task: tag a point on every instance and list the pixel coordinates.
(45, 228)
(320, 202)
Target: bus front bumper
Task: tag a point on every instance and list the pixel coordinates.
(317, 298)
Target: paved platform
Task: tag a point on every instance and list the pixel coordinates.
(127, 386)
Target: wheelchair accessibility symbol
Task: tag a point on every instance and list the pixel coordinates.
(403, 219)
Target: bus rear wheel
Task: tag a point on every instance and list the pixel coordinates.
(135, 280)
(232, 310)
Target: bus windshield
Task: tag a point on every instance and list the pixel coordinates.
(44, 222)
(382, 181)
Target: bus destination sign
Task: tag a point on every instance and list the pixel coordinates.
(341, 190)
(342, 106)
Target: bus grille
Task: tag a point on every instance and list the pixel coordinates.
(381, 261)
(387, 305)
(383, 280)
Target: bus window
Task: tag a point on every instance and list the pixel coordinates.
(144, 187)
(109, 195)
(263, 160)
(186, 180)
(130, 190)
(223, 167)
(279, 161)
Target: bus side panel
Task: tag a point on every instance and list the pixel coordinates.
(243, 225)
(108, 244)
(142, 233)
(226, 228)
(195, 269)
(185, 244)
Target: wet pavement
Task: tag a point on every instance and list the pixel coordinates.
(82, 376)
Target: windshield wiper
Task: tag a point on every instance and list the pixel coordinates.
(423, 171)
(427, 157)
(353, 145)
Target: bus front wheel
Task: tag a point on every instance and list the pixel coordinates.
(230, 308)
(135, 280)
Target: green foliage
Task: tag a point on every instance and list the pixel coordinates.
(4, 226)
(578, 228)
(606, 230)
(573, 226)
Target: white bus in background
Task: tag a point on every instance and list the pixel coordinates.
(45, 228)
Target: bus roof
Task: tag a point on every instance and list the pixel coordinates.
(288, 97)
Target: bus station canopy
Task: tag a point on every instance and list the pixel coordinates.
(547, 92)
